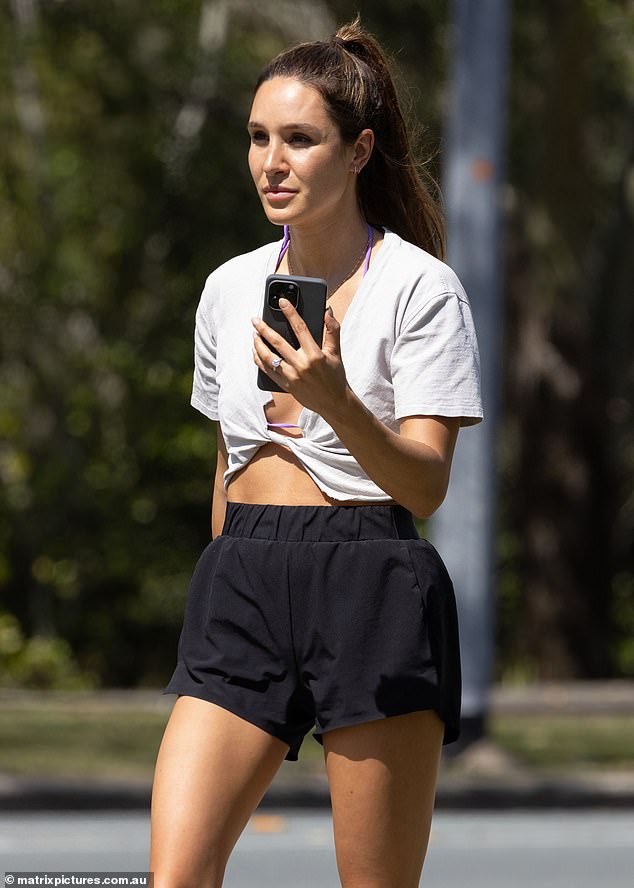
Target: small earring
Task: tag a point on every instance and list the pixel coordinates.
(355, 169)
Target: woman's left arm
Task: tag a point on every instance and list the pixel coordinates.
(413, 467)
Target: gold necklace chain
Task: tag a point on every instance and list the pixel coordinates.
(355, 267)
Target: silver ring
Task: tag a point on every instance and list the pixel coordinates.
(275, 363)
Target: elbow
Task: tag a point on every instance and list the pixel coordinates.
(428, 504)
(423, 513)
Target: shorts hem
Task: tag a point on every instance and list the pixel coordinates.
(451, 731)
(219, 700)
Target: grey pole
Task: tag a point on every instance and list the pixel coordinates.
(463, 528)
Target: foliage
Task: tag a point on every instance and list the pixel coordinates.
(38, 662)
(567, 458)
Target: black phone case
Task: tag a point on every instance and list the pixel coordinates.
(311, 306)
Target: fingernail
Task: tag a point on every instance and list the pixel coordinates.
(285, 301)
(332, 314)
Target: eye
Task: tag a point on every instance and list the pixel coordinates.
(300, 139)
(258, 136)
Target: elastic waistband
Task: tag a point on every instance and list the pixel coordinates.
(318, 523)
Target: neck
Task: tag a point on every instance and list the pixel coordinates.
(327, 249)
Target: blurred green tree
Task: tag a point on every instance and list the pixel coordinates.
(567, 459)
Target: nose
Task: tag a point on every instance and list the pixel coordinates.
(274, 160)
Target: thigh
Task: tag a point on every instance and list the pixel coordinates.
(382, 777)
(212, 770)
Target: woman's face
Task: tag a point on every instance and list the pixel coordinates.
(300, 166)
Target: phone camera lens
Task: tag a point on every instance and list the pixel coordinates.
(285, 290)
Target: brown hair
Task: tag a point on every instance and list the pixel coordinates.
(351, 72)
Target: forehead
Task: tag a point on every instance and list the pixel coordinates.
(286, 100)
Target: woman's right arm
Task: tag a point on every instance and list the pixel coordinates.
(219, 500)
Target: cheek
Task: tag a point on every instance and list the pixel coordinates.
(254, 165)
(323, 173)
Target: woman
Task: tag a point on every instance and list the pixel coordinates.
(316, 602)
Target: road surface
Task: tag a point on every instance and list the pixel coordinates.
(295, 849)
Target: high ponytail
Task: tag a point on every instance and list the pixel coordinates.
(352, 74)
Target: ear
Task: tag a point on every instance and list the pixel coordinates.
(362, 149)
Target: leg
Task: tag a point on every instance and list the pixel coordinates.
(211, 772)
(382, 777)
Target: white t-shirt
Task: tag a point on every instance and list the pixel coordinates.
(408, 345)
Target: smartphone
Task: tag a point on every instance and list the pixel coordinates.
(308, 296)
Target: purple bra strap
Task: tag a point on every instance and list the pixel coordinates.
(285, 245)
(368, 252)
(284, 425)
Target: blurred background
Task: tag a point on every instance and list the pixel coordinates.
(124, 182)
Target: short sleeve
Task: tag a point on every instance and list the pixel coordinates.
(205, 386)
(435, 362)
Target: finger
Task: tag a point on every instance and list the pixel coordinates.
(298, 326)
(332, 333)
(275, 375)
(262, 331)
(263, 351)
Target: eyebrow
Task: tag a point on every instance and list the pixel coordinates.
(253, 124)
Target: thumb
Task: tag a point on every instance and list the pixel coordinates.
(331, 332)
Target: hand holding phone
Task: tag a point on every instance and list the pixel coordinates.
(308, 297)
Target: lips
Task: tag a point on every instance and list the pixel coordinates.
(273, 190)
(278, 196)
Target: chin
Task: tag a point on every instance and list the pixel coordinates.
(278, 219)
(281, 216)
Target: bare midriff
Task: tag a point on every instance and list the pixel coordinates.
(274, 474)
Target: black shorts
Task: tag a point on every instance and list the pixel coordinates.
(304, 616)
